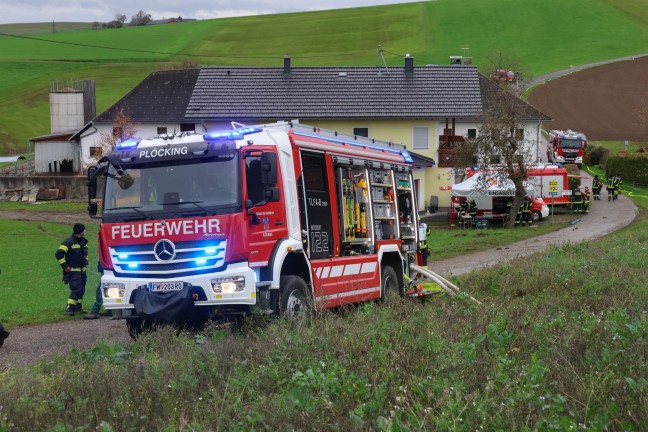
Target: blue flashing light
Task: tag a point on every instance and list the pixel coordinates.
(201, 262)
(123, 256)
(128, 144)
(132, 265)
(210, 251)
(407, 156)
(230, 134)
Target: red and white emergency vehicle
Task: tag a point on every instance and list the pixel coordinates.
(197, 227)
(493, 196)
(550, 182)
(566, 147)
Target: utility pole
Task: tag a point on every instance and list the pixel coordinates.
(53, 27)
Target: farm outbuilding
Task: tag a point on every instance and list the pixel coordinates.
(53, 153)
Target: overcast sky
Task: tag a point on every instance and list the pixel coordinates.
(21, 11)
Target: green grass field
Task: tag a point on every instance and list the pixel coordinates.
(32, 291)
(539, 36)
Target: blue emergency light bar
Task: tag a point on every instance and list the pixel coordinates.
(230, 134)
(128, 144)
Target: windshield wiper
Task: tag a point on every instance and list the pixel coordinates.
(196, 203)
(137, 209)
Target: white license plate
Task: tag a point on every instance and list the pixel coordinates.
(165, 286)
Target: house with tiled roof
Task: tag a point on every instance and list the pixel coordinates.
(429, 109)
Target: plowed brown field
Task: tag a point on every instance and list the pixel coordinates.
(604, 102)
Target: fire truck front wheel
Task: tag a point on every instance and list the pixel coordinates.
(389, 291)
(293, 303)
(536, 216)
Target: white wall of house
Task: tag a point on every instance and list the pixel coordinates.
(48, 152)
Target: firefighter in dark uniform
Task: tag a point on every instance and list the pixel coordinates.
(424, 232)
(72, 255)
(610, 188)
(526, 211)
(520, 215)
(462, 210)
(472, 210)
(586, 200)
(577, 202)
(597, 185)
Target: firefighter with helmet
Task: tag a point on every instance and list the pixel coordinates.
(72, 255)
(597, 185)
(577, 202)
(527, 206)
(472, 210)
(586, 200)
(610, 188)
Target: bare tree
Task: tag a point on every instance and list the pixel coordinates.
(140, 18)
(122, 130)
(120, 18)
(500, 145)
(96, 25)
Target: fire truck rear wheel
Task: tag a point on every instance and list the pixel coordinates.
(389, 291)
(293, 303)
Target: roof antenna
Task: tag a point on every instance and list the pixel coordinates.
(237, 125)
(381, 57)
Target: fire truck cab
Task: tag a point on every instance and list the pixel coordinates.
(271, 218)
(566, 147)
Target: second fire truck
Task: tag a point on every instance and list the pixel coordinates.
(270, 218)
(565, 147)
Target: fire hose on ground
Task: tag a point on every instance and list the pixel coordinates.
(445, 284)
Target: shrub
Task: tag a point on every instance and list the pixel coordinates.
(631, 167)
(574, 182)
(595, 155)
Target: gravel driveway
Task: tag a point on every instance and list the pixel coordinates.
(28, 344)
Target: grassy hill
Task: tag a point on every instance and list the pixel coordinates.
(540, 36)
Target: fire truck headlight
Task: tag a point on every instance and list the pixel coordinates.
(113, 290)
(228, 285)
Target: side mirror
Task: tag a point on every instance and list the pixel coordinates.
(269, 168)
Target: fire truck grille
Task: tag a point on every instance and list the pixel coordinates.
(570, 155)
(166, 259)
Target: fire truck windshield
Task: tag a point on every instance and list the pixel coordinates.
(570, 143)
(155, 189)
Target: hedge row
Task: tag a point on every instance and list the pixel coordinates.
(574, 182)
(631, 167)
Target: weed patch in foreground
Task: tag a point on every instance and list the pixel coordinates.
(554, 357)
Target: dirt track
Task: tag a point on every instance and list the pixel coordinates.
(604, 102)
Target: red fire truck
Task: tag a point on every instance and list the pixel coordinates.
(566, 147)
(272, 218)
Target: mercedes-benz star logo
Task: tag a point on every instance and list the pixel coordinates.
(164, 250)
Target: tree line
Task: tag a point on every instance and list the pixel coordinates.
(139, 19)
